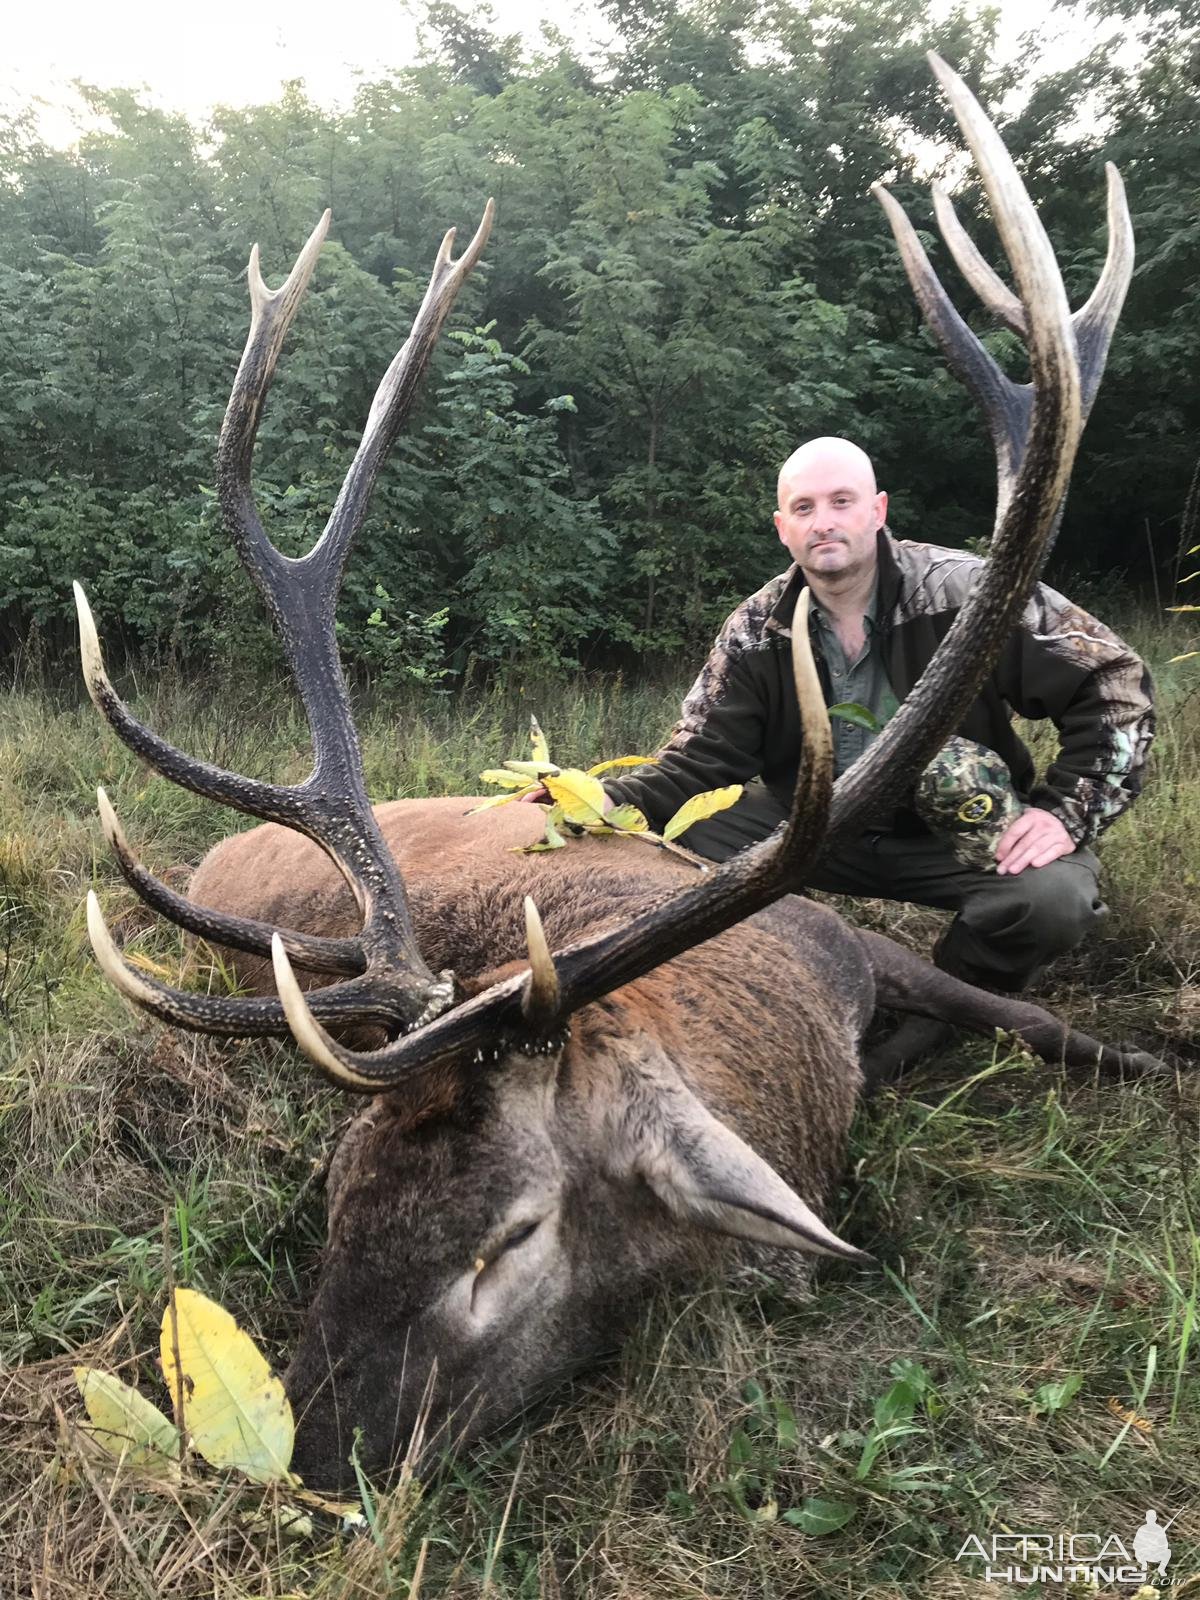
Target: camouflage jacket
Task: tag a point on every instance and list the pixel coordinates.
(740, 719)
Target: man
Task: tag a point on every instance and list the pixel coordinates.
(881, 608)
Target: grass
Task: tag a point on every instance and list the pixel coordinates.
(1039, 1275)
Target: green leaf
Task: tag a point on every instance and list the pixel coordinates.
(234, 1407)
(786, 1432)
(897, 1405)
(533, 769)
(907, 1480)
(700, 807)
(1052, 1397)
(850, 711)
(551, 840)
(816, 1517)
(502, 799)
(127, 1426)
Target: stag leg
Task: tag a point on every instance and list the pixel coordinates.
(906, 982)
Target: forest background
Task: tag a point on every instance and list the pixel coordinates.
(687, 276)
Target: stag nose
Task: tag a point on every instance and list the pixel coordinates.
(377, 1410)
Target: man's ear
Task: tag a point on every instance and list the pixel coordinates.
(779, 526)
(706, 1175)
(881, 505)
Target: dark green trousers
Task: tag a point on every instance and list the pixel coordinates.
(1006, 928)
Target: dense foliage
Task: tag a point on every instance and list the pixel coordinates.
(688, 276)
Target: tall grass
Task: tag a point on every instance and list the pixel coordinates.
(1030, 1229)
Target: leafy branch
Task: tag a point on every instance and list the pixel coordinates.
(579, 805)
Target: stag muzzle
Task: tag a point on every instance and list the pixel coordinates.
(400, 1400)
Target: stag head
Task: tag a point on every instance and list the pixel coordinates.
(547, 1135)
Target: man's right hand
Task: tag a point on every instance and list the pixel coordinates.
(541, 796)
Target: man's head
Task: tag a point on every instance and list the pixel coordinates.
(830, 509)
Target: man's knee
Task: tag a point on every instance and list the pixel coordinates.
(1050, 908)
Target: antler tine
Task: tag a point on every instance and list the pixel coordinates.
(357, 1001)
(268, 800)
(239, 933)
(272, 313)
(541, 1001)
(988, 285)
(394, 397)
(1029, 503)
(559, 984)
(1005, 405)
(472, 1031)
(1096, 321)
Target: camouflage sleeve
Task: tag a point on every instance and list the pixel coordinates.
(1067, 666)
(718, 739)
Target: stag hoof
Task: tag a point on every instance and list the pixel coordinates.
(1140, 1063)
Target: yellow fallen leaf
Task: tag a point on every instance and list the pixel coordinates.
(322, 1502)
(621, 761)
(506, 780)
(700, 807)
(541, 750)
(125, 1424)
(501, 799)
(626, 819)
(580, 796)
(531, 769)
(234, 1407)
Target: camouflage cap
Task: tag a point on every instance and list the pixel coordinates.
(966, 796)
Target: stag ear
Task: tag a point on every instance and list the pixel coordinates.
(704, 1174)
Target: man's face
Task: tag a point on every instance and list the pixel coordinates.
(829, 513)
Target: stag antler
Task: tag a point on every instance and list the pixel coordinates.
(388, 982)
(1036, 429)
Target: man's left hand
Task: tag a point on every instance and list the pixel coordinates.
(1035, 839)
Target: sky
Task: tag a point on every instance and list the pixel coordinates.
(236, 52)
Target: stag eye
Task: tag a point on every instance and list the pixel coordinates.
(519, 1236)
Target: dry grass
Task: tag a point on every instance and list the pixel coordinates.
(1027, 1228)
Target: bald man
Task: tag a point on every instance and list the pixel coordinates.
(882, 605)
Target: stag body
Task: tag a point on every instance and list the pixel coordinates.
(607, 1165)
(555, 1122)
